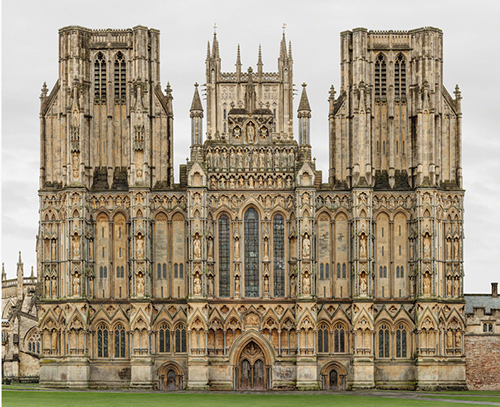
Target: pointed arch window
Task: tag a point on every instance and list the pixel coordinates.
(383, 341)
(380, 77)
(339, 339)
(401, 348)
(164, 339)
(180, 338)
(251, 253)
(34, 343)
(279, 255)
(120, 78)
(323, 338)
(400, 77)
(119, 341)
(224, 256)
(100, 78)
(102, 341)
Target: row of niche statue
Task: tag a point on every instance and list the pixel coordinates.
(272, 181)
(251, 159)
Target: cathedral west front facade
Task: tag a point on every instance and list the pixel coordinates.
(254, 271)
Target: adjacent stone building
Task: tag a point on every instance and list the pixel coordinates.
(482, 340)
(251, 272)
(21, 346)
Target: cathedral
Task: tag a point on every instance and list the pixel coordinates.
(253, 271)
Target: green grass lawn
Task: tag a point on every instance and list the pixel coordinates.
(482, 397)
(17, 398)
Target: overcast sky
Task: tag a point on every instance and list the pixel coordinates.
(471, 59)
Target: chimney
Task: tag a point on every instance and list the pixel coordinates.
(494, 290)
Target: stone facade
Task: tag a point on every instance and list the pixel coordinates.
(251, 272)
(21, 345)
(482, 340)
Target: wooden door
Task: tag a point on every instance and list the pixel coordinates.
(258, 375)
(171, 385)
(246, 375)
(334, 380)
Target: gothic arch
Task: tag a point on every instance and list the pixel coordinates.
(166, 382)
(335, 381)
(247, 337)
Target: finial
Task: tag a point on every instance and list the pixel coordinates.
(32, 275)
(259, 60)
(458, 94)
(284, 28)
(238, 57)
(332, 92)
(196, 84)
(290, 49)
(215, 28)
(44, 90)
(304, 84)
(19, 256)
(208, 49)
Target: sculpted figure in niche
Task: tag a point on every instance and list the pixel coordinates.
(269, 160)
(457, 287)
(209, 160)
(197, 284)
(216, 160)
(76, 246)
(239, 160)
(210, 250)
(266, 284)
(293, 286)
(306, 282)
(449, 339)
(232, 160)
(140, 284)
(76, 284)
(76, 164)
(363, 283)
(290, 158)
(47, 287)
(362, 246)
(427, 246)
(250, 182)
(237, 284)
(53, 249)
(210, 285)
(250, 133)
(306, 246)
(91, 287)
(427, 284)
(54, 286)
(255, 160)
(448, 248)
(449, 287)
(458, 339)
(455, 248)
(266, 248)
(246, 158)
(236, 248)
(140, 247)
(197, 246)
(262, 159)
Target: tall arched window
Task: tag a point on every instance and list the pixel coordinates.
(323, 338)
(180, 338)
(383, 341)
(119, 341)
(251, 253)
(380, 77)
(34, 343)
(327, 271)
(120, 77)
(102, 341)
(164, 339)
(224, 256)
(279, 255)
(321, 271)
(400, 77)
(339, 339)
(164, 270)
(159, 270)
(401, 341)
(338, 270)
(100, 78)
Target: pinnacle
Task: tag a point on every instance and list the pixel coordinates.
(196, 105)
(304, 101)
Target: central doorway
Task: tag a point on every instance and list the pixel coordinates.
(252, 372)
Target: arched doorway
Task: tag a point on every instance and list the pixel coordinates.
(252, 369)
(170, 377)
(334, 377)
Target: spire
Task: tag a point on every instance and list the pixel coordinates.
(4, 276)
(238, 59)
(290, 50)
(20, 261)
(32, 274)
(215, 47)
(331, 100)
(20, 275)
(283, 46)
(304, 101)
(259, 60)
(208, 50)
(196, 106)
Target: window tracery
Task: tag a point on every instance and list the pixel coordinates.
(102, 341)
(380, 77)
(383, 341)
(119, 341)
(279, 255)
(251, 253)
(100, 78)
(224, 256)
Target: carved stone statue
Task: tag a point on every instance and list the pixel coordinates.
(427, 284)
(448, 248)
(455, 249)
(140, 247)
(236, 248)
(76, 246)
(458, 339)
(363, 283)
(47, 286)
(76, 284)
(210, 249)
(306, 284)
(197, 246)
(197, 284)
(266, 248)
(427, 246)
(457, 287)
(250, 133)
(449, 339)
(140, 284)
(266, 284)
(306, 246)
(362, 246)
(237, 284)
(210, 285)
(53, 249)
(293, 286)
(449, 287)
